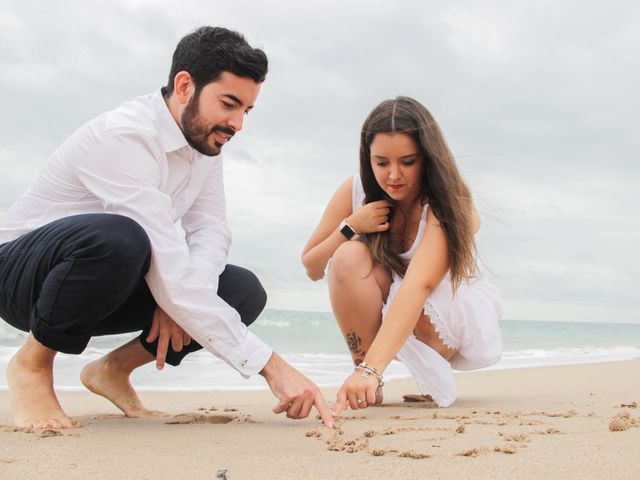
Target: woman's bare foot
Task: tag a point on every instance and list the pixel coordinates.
(109, 377)
(379, 396)
(34, 404)
(411, 397)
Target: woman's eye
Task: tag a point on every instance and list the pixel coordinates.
(408, 162)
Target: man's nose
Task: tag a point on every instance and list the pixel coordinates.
(236, 120)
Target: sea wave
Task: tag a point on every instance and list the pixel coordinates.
(313, 343)
(275, 323)
(203, 372)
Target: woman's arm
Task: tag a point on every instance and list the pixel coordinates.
(325, 240)
(426, 270)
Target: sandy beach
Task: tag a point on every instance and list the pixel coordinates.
(579, 421)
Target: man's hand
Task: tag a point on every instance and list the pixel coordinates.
(296, 393)
(165, 329)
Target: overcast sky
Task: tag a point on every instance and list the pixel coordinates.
(538, 100)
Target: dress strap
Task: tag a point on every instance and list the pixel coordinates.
(357, 193)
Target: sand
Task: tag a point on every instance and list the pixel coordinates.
(565, 422)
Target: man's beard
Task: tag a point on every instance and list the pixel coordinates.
(197, 132)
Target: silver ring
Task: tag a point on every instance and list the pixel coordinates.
(360, 400)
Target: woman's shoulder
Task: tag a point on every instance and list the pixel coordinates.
(344, 193)
(347, 185)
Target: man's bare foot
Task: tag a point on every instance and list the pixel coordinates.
(34, 404)
(107, 378)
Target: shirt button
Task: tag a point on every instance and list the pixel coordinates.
(243, 363)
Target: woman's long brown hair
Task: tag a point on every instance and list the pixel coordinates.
(442, 186)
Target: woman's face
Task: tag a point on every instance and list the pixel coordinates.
(397, 166)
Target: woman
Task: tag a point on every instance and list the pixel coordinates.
(398, 243)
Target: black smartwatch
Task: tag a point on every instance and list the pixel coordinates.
(347, 230)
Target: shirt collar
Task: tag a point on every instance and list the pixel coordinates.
(171, 135)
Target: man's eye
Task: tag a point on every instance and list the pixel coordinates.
(227, 104)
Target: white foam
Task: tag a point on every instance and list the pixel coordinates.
(203, 372)
(275, 323)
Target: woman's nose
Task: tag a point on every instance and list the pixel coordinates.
(394, 172)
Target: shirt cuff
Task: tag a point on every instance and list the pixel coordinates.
(250, 356)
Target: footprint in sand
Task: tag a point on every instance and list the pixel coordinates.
(188, 419)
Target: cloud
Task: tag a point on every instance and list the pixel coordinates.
(537, 100)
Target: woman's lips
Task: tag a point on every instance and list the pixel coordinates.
(395, 187)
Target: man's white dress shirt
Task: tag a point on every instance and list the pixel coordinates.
(135, 161)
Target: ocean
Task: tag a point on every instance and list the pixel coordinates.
(312, 343)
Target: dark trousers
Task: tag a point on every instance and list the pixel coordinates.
(83, 276)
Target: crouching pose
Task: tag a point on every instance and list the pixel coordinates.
(92, 248)
(397, 243)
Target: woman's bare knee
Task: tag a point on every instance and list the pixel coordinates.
(350, 262)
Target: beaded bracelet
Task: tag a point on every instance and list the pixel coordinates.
(367, 370)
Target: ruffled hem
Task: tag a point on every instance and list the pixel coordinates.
(432, 373)
(441, 327)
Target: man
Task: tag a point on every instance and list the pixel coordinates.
(92, 249)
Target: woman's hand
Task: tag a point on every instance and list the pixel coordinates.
(357, 392)
(370, 218)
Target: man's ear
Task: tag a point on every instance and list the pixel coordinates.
(183, 87)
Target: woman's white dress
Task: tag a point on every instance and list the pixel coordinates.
(467, 322)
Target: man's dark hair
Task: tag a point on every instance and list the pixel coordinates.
(208, 51)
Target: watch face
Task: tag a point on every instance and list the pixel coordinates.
(347, 231)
